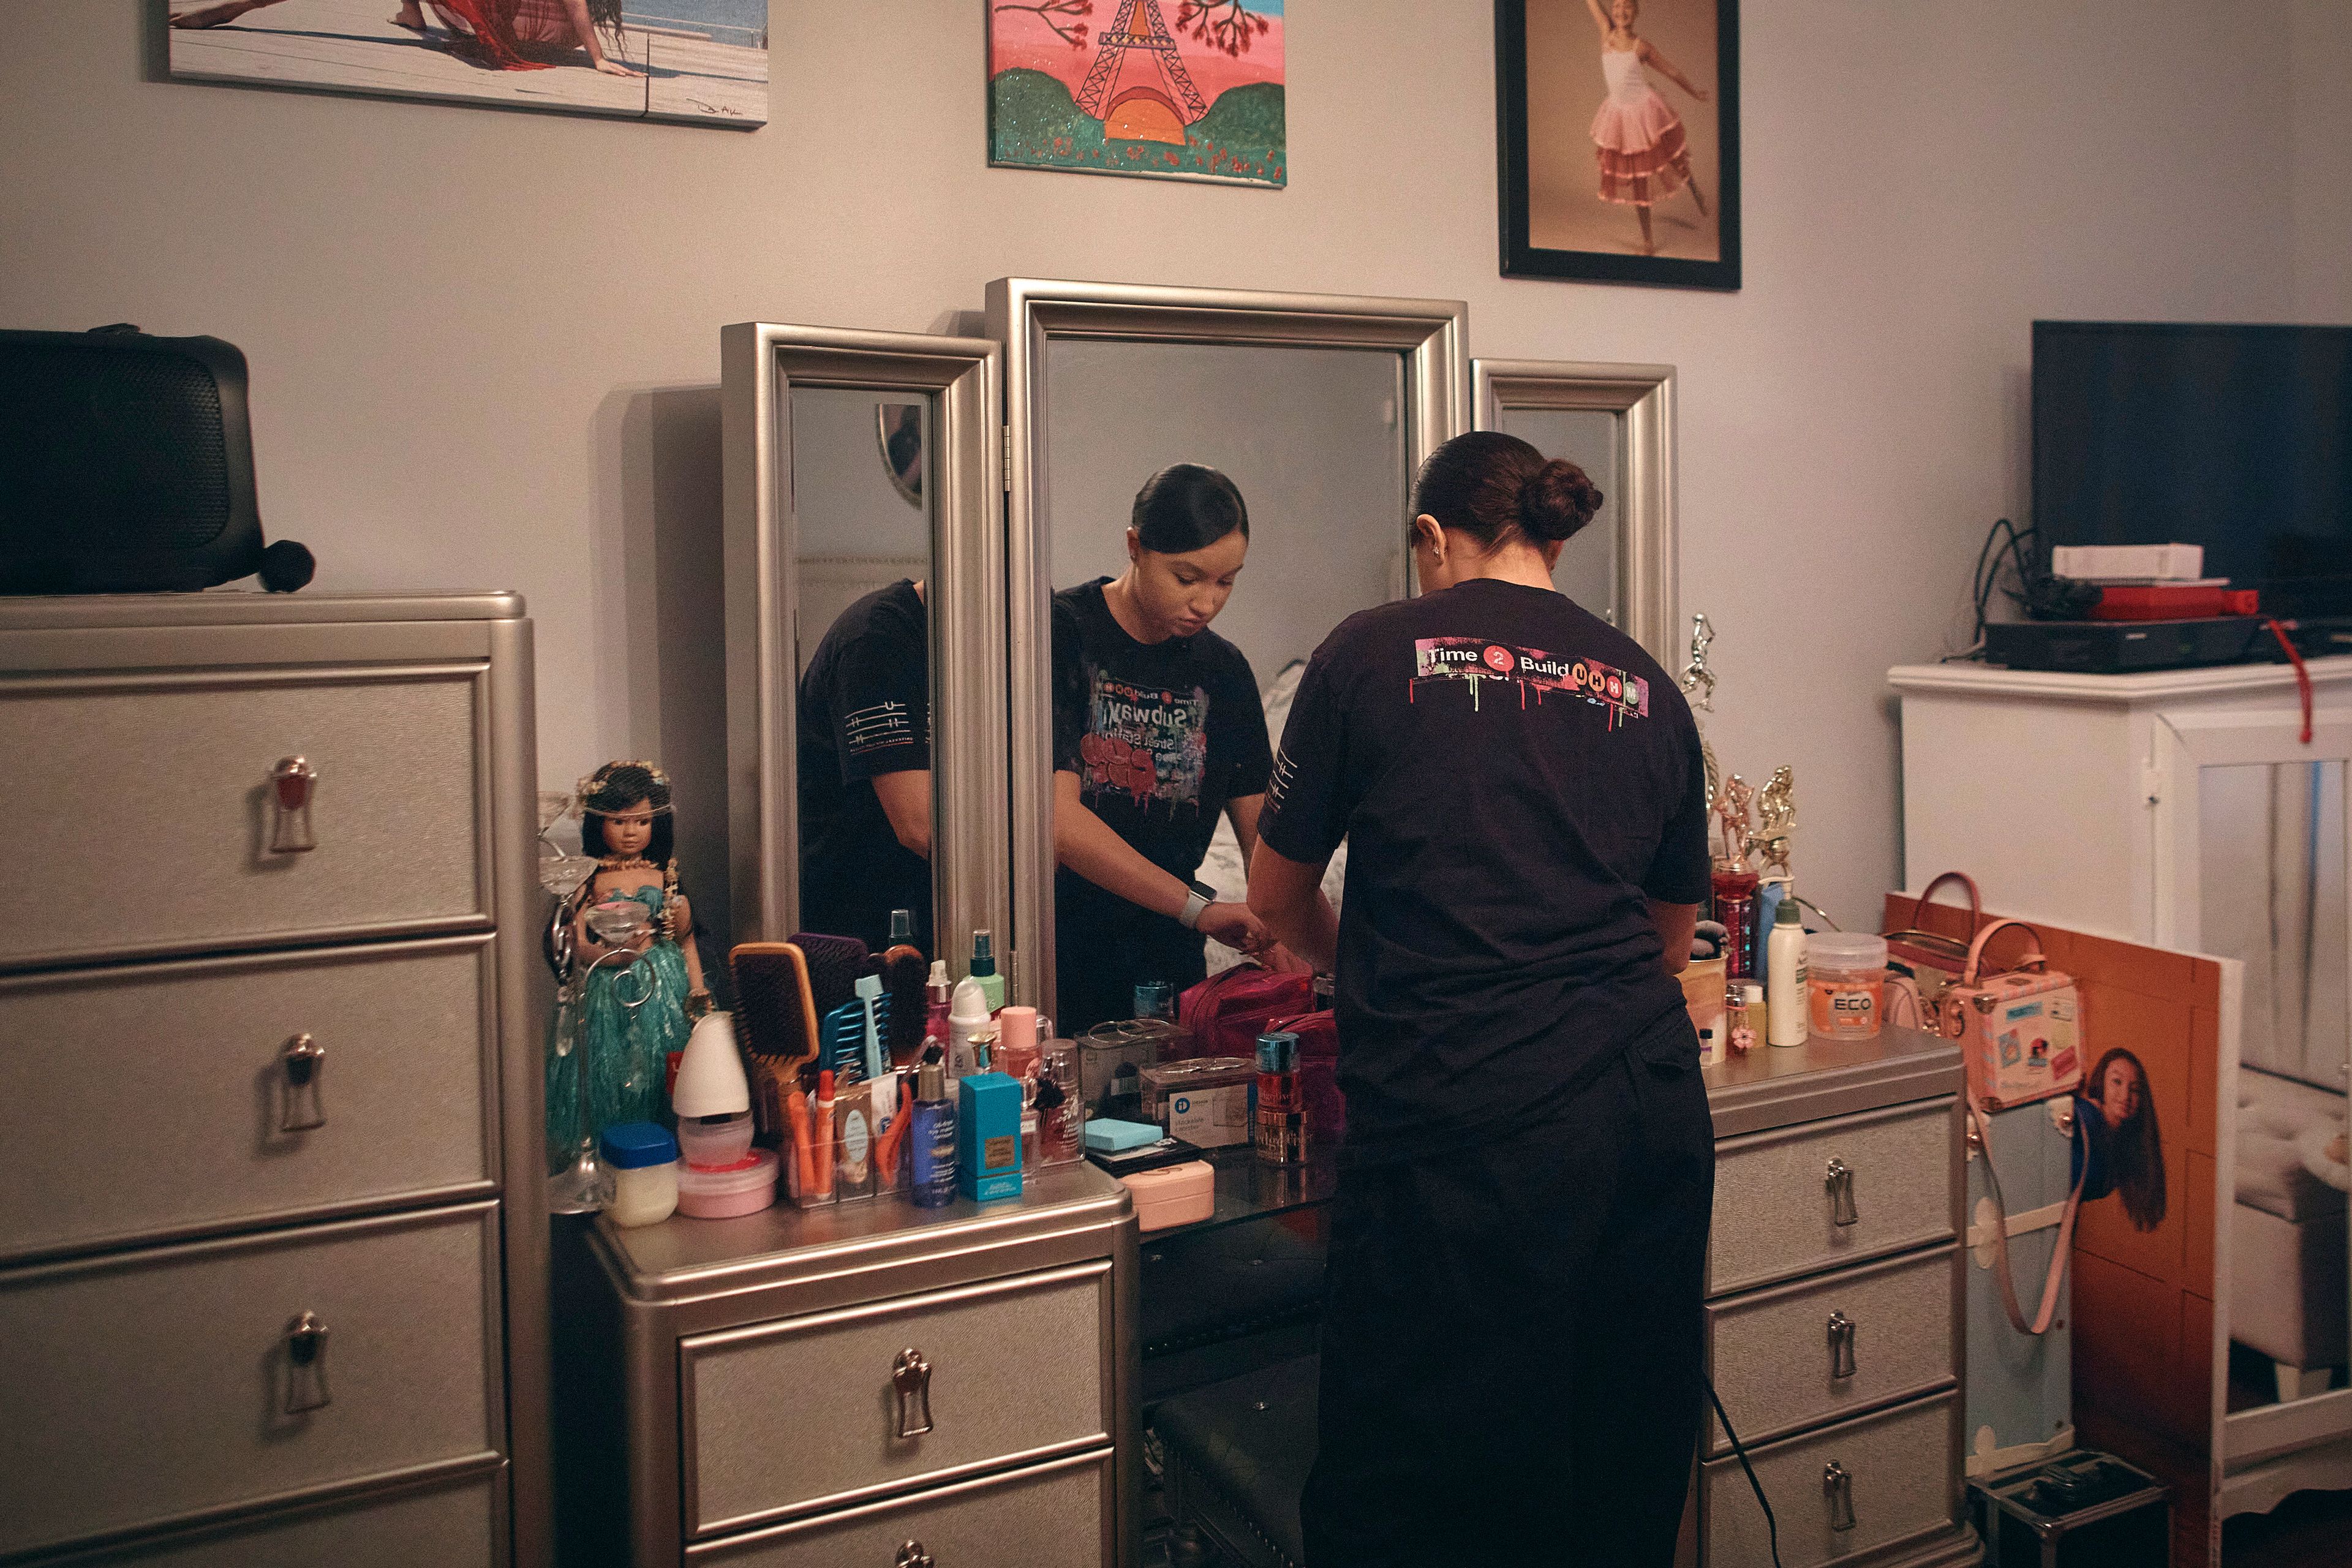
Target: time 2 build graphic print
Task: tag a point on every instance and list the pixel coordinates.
(1478, 661)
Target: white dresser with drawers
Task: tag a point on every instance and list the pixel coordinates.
(273, 1246)
(1833, 1326)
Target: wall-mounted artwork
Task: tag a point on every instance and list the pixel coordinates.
(1620, 129)
(1175, 90)
(704, 61)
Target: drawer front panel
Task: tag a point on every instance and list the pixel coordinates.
(158, 793)
(1901, 1466)
(1775, 1216)
(796, 1416)
(458, 1526)
(196, 1051)
(1056, 1516)
(144, 1390)
(1770, 1355)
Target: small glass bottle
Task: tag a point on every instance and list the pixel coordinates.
(933, 1137)
(1155, 999)
(1281, 1118)
(1059, 1112)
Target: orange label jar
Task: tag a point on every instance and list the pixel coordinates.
(1846, 984)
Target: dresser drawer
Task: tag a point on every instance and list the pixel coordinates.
(1903, 1469)
(1771, 1355)
(458, 1526)
(1055, 1516)
(193, 1055)
(802, 1414)
(1777, 1214)
(152, 1387)
(154, 797)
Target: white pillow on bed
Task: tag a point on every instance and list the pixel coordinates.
(1223, 869)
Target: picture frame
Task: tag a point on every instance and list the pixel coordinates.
(1622, 170)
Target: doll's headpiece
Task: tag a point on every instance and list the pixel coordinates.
(620, 786)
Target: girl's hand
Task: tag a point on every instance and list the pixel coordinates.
(1233, 925)
(1282, 961)
(614, 67)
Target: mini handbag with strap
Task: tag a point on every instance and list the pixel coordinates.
(2020, 1031)
(1933, 958)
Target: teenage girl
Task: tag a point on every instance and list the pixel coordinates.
(1637, 136)
(1511, 1336)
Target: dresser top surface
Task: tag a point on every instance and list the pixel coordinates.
(246, 607)
(684, 1256)
(1776, 1086)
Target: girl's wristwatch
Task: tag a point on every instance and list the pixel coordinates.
(1198, 896)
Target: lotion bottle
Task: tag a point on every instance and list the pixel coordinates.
(969, 1027)
(1784, 966)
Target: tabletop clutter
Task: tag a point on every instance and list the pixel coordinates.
(843, 1075)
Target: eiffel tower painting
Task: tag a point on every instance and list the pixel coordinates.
(1164, 89)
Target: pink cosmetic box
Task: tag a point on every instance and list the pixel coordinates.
(1172, 1195)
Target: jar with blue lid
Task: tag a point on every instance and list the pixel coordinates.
(643, 1159)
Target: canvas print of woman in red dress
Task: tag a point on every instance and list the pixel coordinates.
(704, 60)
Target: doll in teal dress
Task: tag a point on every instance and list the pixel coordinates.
(635, 981)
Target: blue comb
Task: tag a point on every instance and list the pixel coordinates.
(844, 1045)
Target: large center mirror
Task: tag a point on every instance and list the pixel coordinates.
(1152, 669)
(1616, 423)
(862, 564)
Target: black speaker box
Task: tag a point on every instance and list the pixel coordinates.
(126, 464)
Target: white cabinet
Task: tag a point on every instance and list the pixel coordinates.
(2189, 810)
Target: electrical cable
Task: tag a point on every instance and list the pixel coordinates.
(1739, 1449)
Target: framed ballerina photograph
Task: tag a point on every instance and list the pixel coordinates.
(1619, 123)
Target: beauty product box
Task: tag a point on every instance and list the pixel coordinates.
(1205, 1100)
(988, 1136)
(1172, 1195)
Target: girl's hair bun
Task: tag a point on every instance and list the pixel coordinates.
(1557, 499)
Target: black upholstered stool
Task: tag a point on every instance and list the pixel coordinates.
(1237, 1455)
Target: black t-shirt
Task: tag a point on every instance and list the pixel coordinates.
(865, 710)
(1514, 777)
(1161, 736)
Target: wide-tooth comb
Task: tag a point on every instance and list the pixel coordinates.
(844, 1036)
(835, 963)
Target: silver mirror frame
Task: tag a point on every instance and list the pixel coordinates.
(761, 363)
(1024, 315)
(1649, 580)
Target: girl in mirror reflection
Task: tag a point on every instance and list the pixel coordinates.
(2121, 1145)
(1158, 732)
(1644, 153)
(632, 935)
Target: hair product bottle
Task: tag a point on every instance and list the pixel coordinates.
(984, 969)
(934, 1140)
(1784, 979)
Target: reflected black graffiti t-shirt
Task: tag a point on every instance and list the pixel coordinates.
(1161, 736)
(1514, 778)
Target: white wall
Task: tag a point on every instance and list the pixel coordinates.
(2322, 99)
(484, 343)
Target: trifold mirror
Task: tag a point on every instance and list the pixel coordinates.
(902, 512)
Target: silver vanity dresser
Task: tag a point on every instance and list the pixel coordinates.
(874, 1385)
(272, 1239)
(1834, 1307)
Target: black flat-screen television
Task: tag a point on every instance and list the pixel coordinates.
(2237, 439)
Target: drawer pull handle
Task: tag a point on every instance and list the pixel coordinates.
(302, 1110)
(291, 784)
(1837, 1485)
(306, 1364)
(1840, 1186)
(912, 1555)
(910, 1375)
(1841, 1345)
